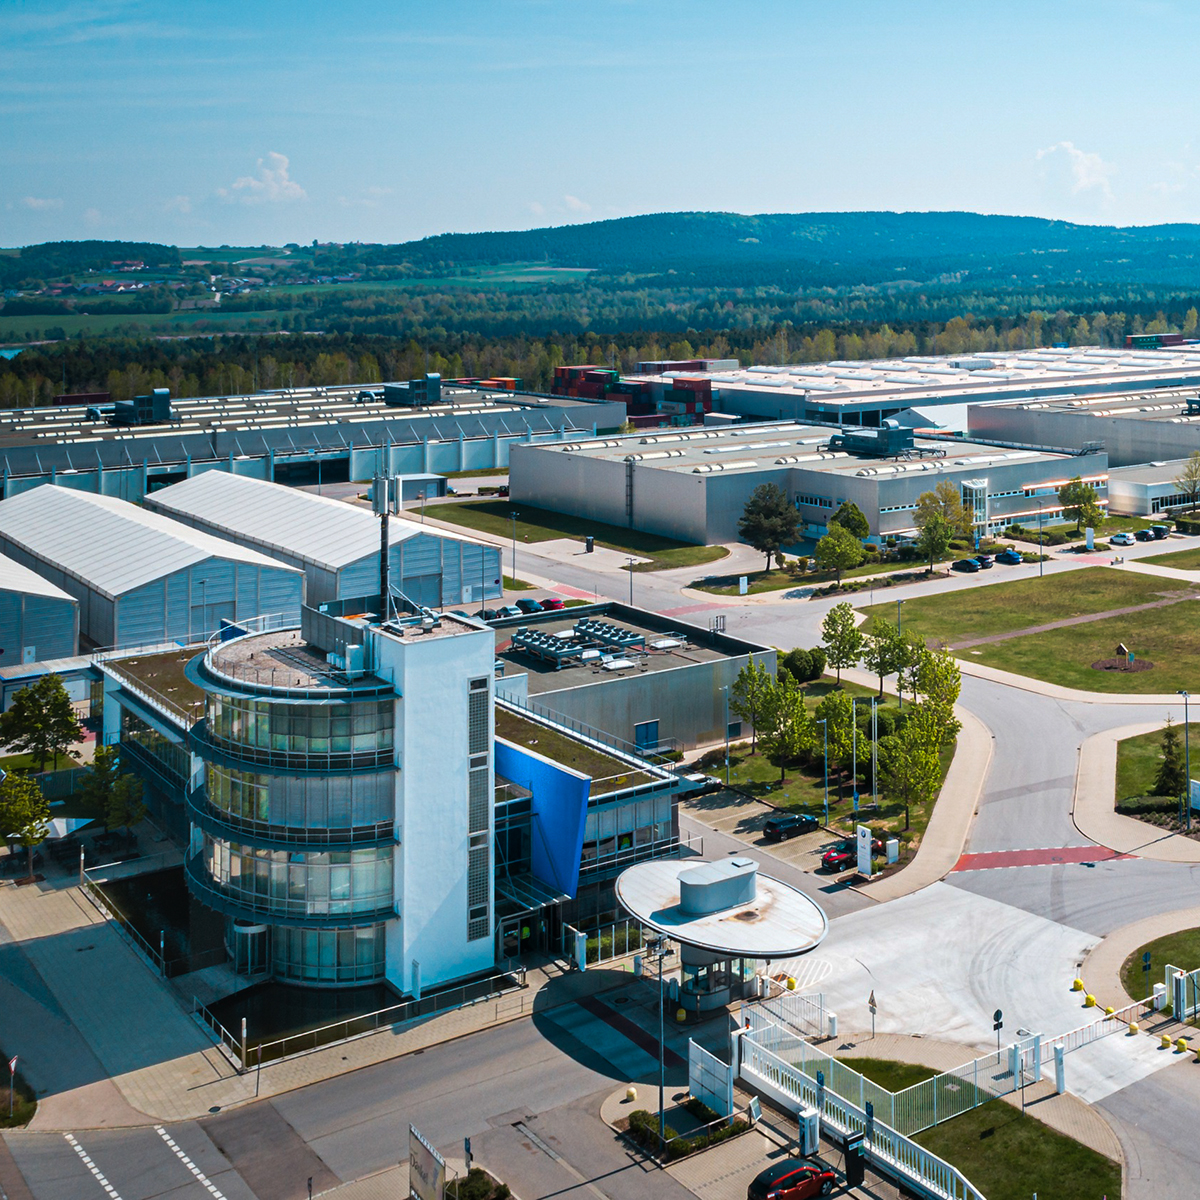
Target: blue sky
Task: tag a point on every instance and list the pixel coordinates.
(270, 122)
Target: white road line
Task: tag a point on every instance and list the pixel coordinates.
(91, 1166)
(216, 1193)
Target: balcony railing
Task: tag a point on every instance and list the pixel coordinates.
(326, 762)
(277, 910)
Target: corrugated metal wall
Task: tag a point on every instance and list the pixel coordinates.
(35, 628)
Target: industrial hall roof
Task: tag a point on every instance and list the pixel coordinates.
(110, 545)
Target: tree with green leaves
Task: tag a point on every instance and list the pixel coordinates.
(852, 519)
(24, 812)
(97, 783)
(937, 680)
(888, 651)
(1172, 777)
(910, 770)
(1188, 480)
(804, 665)
(945, 499)
(769, 521)
(1078, 500)
(935, 533)
(749, 694)
(125, 806)
(786, 727)
(838, 551)
(837, 709)
(841, 637)
(41, 722)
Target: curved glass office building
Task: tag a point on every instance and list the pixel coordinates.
(294, 829)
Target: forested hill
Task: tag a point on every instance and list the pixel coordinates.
(834, 248)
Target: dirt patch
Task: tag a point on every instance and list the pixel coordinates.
(1122, 664)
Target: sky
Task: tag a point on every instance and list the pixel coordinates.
(265, 122)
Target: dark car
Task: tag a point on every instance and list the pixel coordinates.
(791, 1180)
(502, 490)
(985, 560)
(529, 606)
(1143, 535)
(553, 604)
(844, 856)
(1011, 558)
(966, 564)
(788, 825)
(1160, 531)
(487, 614)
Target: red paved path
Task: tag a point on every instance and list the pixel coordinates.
(1036, 858)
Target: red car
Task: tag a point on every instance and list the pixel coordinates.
(842, 857)
(791, 1180)
(553, 604)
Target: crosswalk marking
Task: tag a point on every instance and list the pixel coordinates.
(214, 1191)
(91, 1166)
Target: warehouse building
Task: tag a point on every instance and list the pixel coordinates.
(693, 484)
(38, 621)
(1149, 489)
(139, 577)
(335, 544)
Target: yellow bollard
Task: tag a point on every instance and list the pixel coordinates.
(681, 1015)
(1108, 1012)
(1133, 1027)
(791, 984)
(631, 1092)
(1165, 1041)
(1077, 986)
(1181, 1045)
(1089, 1001)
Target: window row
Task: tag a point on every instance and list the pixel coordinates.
(326, 883)
(349, 727)
(172, 758)
(304, 802)
(328, 955)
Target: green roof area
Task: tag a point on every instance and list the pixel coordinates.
(162, 676)
(608, 774)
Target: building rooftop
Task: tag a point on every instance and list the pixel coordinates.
(1167, 471)
(939, 379)
(110, 545)
(1140, 404)
(776, 921)
(720, 450)
(663, 650)
(162, 676)
(17, 578)
(319, 530)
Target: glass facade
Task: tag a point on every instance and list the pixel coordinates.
(310, 804)
(328, 955)
(300, 883)
(729, 973)
(270, 730)
(170, 757)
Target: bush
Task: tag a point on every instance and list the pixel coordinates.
(805, 665)
(478, 1185)
(700, 1110)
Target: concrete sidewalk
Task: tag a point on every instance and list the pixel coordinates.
(1092, 805)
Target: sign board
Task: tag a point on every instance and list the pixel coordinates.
(426, 1168)
(863, 845)
(1090, 538)
(1194, 792)
(871, 1001)
(743, 585)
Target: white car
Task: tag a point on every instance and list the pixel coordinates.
(1121, 539)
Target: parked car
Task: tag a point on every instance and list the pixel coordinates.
(502, 490)
(1158, 532)
(553, 604)
(458, 612)
(788, 825)
(696, 783)
(791, 1180)
(529, 606)
(487, 614)
(985, 560)
(509, 610)
(845, 855)
(1121, 539)
(966, 564)
(1010, 557)
(1143, 535)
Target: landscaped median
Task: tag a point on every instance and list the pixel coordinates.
(1093, 611)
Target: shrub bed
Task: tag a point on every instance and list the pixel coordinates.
(643, 1128)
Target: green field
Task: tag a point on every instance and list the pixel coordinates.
(889, 1074)
(973, 612)
(1180, 950)
(540, 525)
(1009, 1156)
(1184, 560)
(1138, 759)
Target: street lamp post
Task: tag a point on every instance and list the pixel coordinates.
(874, 753)
(854, 751)
(421, 497)
(725, 693)
(1187, 764)
(629, 563)
(657, 948)
(900, 671)
(1041, 548)
(824, 722)
(514, 550)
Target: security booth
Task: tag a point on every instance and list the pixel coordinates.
(726, 919)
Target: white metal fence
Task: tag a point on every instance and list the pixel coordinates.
(710, 1079)
(1183, 991)
(802, 1013)
(888, 1151)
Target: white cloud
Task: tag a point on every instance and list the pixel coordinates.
(1075, 170)
(272, 184)
(92, 218)
(181, 204)
(574, 204)
(37, 202)
(538, 210)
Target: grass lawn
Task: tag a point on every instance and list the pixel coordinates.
(777, 581)
(516, 585)
(1022, 603)
(1180, 950)
(541, 525)
(561, 749)
(894, 1076)
(1008, 1156)
(22, 762)
(483, 472)
(1138, 760)
(1168, 637)
(1185, 560)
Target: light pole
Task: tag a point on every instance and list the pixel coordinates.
(1187, 764)
(629, 564)
(900, 671)
(824, 721)
(899, 626)
(854, 751)
(1041, 548)
(514, 550)
(421, 497)
(657, 948)
(874, 754)
(725, 693)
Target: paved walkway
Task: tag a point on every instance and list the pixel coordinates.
(1092, 807)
